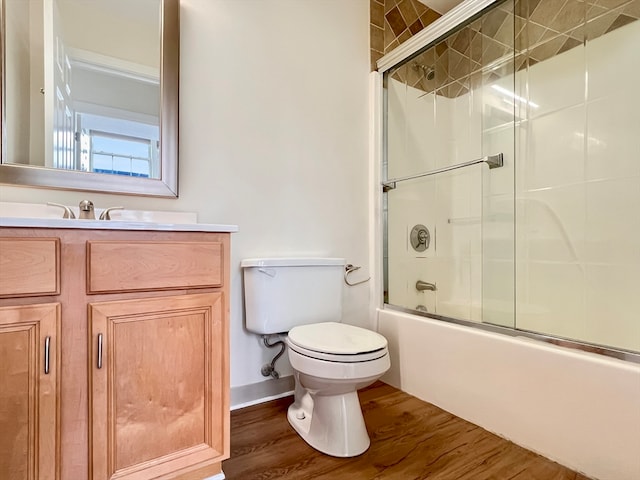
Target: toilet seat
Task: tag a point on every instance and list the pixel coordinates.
(338, 358)
(349, 369)
(337, 342)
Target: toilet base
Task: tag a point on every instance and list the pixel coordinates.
(332, 424)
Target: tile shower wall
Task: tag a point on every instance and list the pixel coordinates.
(543, 28)
(393, 22)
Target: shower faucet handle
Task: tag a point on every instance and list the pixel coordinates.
(420, 238)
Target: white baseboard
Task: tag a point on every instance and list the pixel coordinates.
(254, 393)
(219, 476)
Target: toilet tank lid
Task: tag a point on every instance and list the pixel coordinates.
(291, 262)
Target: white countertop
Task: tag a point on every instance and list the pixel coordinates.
(34, 215)
(114, 225)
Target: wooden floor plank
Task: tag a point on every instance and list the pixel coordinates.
(410, 439)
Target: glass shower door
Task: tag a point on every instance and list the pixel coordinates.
(449, 246)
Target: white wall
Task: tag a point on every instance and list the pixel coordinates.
(273, 138)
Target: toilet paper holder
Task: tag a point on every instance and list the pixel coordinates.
(348, 269)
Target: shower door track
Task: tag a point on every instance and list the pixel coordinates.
(627, 355)
(494, 161)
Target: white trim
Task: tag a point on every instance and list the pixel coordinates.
(265, 391)
(262, 400)
(117, 113)
(97, 62)
(437, 29)
(376, 137)
(218, 476)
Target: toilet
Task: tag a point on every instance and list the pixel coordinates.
(331, 360)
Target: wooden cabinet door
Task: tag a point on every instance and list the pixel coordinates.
(158, 386)
(29, 391)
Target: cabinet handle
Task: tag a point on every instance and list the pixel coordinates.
(99, 350)
(47, 347)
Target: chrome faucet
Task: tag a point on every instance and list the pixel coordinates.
(422, 286)
(86, 210)
(105, 215)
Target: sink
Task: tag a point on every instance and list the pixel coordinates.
(44, 211)
(40, 215)
(28, 210)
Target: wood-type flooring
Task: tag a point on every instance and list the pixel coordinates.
(410, 440)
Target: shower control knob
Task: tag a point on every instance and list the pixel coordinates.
(420, 238)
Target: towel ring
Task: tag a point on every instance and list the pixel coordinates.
(349, 269)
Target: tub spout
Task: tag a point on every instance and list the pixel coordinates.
(422, 286)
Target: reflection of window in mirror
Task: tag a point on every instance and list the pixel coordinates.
(127, 131)
(119, 154)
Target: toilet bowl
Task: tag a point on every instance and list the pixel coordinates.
(331, 361)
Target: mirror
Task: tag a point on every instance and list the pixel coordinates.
(89, 94)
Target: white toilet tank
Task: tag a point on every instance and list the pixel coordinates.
(281, 293)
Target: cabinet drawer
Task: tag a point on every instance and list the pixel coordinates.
(122, 266)
(29, 267)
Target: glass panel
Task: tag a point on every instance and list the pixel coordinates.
(611, 253)
(548, 242)
(497, 103)
(397, 120)
(434, 237)
(412, 204)
(577, 156)
(449, 113)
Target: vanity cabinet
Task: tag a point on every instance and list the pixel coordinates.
(141, 352)
(29, 391)
(154, 380)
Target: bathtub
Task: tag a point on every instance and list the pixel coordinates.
(579, 409)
